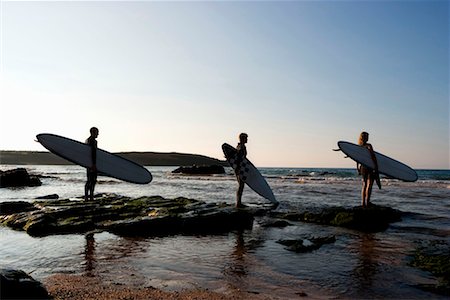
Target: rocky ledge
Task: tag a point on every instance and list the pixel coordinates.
(368, 219)
(124, 216)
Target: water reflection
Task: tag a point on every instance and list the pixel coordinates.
(366, 266)
(89, 255)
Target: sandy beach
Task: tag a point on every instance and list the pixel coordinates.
(76, 287)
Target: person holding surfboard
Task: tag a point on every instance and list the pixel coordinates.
(92, 170)
(369, 175)
(241, 154)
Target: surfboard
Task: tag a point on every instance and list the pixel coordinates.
(107, 163)
(386, 165)
(249, 174)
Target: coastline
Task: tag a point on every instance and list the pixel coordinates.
(240, 265)
(143, 158)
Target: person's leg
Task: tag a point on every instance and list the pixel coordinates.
(93, 182)
(239, 193)
(86, 190)
(87, 185)
(364, 191)
(369, 189)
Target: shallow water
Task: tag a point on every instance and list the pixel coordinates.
(357, 265)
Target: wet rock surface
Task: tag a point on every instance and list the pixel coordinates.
(16, 284)
(156, 215)
(371, 219)
(434, 257)
(126, 216)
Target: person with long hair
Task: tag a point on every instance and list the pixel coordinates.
(368, 175)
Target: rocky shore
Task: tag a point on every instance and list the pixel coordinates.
(156, 215)
(123, 216)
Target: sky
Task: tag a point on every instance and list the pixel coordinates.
(296, 76)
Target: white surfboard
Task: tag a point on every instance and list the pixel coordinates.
(386, 165)
(249, 174)
(107, 163)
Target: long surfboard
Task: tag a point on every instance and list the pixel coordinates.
(107, 163)
(249, 174)
(386, 165)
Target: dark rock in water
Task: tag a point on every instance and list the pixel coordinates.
(275, 223)
(209, 221)
(434, 257)
(307, 244)
(12, 207)
(129, 216)
(16, 284)
(368, 219)
(52, 196)
(18, 177)
(200, 170)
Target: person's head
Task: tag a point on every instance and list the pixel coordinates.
(94, 131)
(363, 138)
(243, 138)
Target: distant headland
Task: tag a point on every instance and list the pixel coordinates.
(143, 158)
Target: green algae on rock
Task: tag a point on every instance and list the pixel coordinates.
(434, 257)
(374, 218)
(127, 216)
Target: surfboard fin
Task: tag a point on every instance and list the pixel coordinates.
(377, 180)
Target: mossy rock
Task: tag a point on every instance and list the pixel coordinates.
(372, 219)
(343, 219)
(434, 257)
(124, 215)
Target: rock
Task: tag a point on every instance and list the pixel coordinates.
(217, 221)
(18, 177)
(52, 196)
(434, 257)
(200, 170)
(372, 219)
(128, 216)
(12, 207)
(307, 244)
(275, 223)
(16, 284)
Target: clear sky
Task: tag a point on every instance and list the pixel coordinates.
(297, 76)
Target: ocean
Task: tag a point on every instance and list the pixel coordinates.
(357, 265)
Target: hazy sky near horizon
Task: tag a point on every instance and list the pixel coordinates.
(297, 76)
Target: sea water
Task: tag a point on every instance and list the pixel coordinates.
(357, 265)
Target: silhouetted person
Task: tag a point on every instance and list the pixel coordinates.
(369, 175)
(241, 154)
(92, 170)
